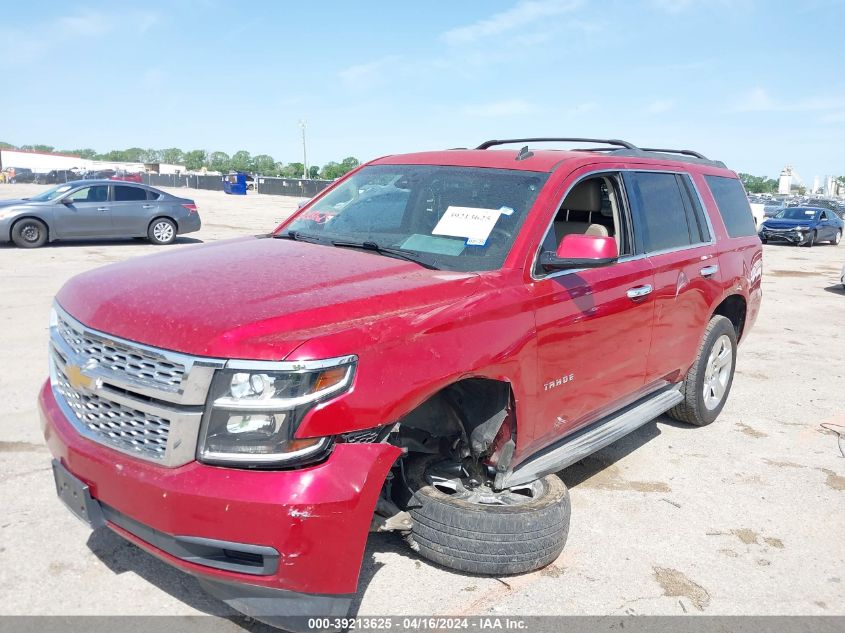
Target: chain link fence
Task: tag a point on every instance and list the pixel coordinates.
(261, 184)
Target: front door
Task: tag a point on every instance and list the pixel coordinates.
(86, 214)
(593, 326)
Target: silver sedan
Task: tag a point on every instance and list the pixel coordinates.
(87, 209)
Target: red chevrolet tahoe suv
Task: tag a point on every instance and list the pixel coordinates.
(419, 348)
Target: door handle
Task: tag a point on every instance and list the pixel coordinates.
(102, 208)
(640, 291)
(709, 271)
(146, 206)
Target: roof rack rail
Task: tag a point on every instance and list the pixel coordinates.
(685, 152)
(508, 141)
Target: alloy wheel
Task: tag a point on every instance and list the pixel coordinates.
(718, 373)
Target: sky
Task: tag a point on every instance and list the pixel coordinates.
(758, 84)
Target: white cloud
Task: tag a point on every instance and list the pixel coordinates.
(759, 100)
(361, 75)
(672, 6)
(834, 117)
(40, 39)
(510, 107)
(659, 106)
(523, 14)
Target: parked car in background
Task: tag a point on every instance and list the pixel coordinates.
(803, 226)
(772, 209)
(102, 174)
(86, 209)
(19, 175)
(126, 176)
(56, 176)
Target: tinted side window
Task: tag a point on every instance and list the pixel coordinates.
(123, 193)
(696, 217)
(660, 217)
(152, 195)
(100, 193)
(733, 205)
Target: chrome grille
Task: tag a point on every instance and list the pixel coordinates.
(121, 426)
(144, 401)
(134, 363)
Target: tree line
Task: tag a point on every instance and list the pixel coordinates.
(195, 160)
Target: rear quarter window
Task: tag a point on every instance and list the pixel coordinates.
(733, 205)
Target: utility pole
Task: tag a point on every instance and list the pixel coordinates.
(302, 125)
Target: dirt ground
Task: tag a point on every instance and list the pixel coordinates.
(746, 516)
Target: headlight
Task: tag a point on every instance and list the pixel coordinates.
(802, 228)
(253, 414)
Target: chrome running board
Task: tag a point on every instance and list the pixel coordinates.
(596, 436)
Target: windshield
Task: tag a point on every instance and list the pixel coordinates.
(797, 213)
(52, 194)
(460, 218)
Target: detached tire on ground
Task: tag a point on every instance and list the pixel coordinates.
(708, 382)
(483, 537)
(29, 233)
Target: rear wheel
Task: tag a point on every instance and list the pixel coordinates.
(709, 380)
(835, 241)
(462, 523)
(29, 233)
(162, 231)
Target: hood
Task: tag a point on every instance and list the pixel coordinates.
(10, 203)
(253, 298)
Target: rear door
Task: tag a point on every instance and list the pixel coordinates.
(672, 230)
(131, 210)
(87, 214)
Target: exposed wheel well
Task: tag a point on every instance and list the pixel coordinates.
(733, 308)
(471, 417)
(29, 217)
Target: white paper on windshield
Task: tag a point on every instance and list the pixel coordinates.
(809, 213)
(473, 224)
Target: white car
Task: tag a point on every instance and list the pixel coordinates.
(842, 277)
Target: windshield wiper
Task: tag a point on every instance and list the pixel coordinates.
(399, 253)
(297, 236)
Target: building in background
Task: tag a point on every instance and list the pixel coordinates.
(785, 181)
(42, 162)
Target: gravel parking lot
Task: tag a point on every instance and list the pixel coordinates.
(745, 516)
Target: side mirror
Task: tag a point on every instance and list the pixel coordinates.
(581, 251)
(302, 203)
(67, 202)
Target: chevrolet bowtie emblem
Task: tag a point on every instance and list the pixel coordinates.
(76, 378)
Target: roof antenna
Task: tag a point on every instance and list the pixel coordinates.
(524, 153)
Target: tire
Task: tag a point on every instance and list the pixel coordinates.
(29, 233)
(699, 408)
(482, 538)
(810, 241)
(835, 241)
(162, 231)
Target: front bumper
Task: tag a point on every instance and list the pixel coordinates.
(791, 236)
(314, 520)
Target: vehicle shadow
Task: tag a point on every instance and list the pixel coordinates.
(123, 241)
(604, 459)
(121, 556)
(837, 289)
